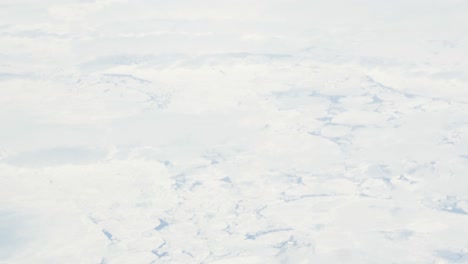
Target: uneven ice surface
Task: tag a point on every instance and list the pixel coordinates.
(233, 131)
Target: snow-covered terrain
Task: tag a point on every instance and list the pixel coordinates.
(266, 131)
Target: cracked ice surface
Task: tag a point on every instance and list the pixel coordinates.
(233, 131)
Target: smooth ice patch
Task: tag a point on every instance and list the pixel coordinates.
(13, 233)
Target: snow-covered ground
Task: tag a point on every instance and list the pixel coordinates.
(266, 131)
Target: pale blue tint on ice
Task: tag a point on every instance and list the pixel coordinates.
(12, 234)
(56, 156)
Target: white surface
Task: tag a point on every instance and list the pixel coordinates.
(233, 131)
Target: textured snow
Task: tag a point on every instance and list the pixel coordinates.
(233, 131)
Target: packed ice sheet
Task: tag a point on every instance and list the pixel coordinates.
(233, 131)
